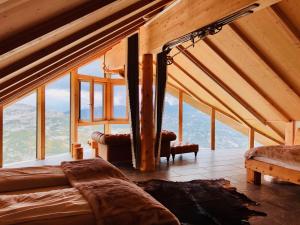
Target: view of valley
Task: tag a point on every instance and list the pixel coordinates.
(20, 130)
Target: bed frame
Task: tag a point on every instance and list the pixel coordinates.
(255, 168)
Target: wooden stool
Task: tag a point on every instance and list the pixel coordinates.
(180, 148)
(77, 151)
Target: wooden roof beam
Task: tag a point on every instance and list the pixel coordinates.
(225, 87)
(252, 84)
(262, 58)
(286, 24)
(13, 68)
(210, 92)
(188, 16)
(220, 111)
(37, 31)
(68, 63)
(186, 90)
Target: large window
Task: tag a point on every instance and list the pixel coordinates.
(19, 130)
(57, 98)
(170, 116)
(196, 126)
(94, 68)
(228, 138)
(119, 101)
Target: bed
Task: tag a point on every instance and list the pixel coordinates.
(280, 161)
(89, 192)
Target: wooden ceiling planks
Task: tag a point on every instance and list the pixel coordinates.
(36, 31)
(243, 54)
(236, 86)
(269, 101)
(266, 31)
(46, 68)
(203, 13)
(47, 51)
(65, 65)
(288, 11)
(248, 118)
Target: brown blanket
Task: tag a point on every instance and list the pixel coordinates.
(282, 153)
(114, 199)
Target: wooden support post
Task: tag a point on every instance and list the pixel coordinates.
(253, 177)
(132, 82)
(147, 125)
(41, 123)
(213, 129)
(74, 108)
(290, 133)
(251, 137)
(180, 116)
(1, 136)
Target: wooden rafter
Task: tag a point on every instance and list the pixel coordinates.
(285, 23)
(225, 87)
(190, 16)
(70, 61)
(250, 82)
(209, 92)
(256, 52)
(50, 25)
(87, 31)
(190, 93)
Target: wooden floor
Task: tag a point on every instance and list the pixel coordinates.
(280, 201)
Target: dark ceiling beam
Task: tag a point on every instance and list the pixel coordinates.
(286, 23)
(70, 61)
(252, 84)
(14, 67)
(31, 33)
(227, 89)
(264, 59)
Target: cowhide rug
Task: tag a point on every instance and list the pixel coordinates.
(202, 202)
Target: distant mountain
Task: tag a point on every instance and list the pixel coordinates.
(20, 130)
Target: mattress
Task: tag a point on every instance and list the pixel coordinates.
(15, 179)
(277, 163)
(58, 206)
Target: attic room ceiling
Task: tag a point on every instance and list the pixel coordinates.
(249, 71)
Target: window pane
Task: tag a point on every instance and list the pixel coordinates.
(196, 126)
(85, 132)
(120, 128)
(98, 101)
(57, 98)
(85, 100)
(19, 130)
(116, 76)
(170, 116)
(94, 68)
(228, 138)
(119, 101)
